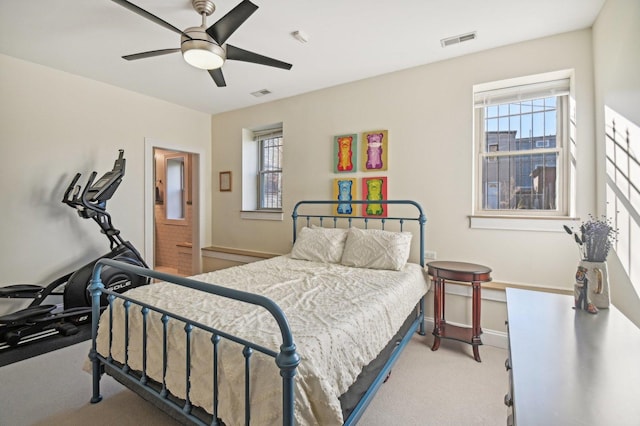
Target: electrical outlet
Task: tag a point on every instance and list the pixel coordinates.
(430, 255)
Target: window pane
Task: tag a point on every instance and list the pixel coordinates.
(538, 105)
(271, 154)
(550, 103)
(503, 124)
(521, 153)
(271, 190)
(550, 122)
(538, 124)
(270, 173)
(514, 124)
(492, 124)
(520, 182)
(522, 128)
(175, 188)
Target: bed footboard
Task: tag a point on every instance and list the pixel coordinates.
(287, 359)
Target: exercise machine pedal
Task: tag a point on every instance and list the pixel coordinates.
(67, 329)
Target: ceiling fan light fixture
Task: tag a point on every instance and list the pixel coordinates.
(203, 58)
(200, 51)
(204, 47)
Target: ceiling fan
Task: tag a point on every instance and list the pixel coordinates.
(204, 47)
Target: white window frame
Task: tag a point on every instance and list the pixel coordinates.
(250, 174)
(175, 201)
(532, 87)
(261, 138)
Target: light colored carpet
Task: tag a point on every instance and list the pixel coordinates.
(446, 387)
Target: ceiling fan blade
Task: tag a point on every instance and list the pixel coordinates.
(237, 54)
(149, 54)
(150, 16)
(229, 23)
(218, 77)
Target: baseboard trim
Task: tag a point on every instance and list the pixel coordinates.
(235, 255)
(495, 290)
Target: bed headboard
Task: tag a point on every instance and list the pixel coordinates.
(312, 211)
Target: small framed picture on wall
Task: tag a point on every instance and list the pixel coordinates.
(345, 153)
(345, 190)
(225, 181)
(374, 189)
(375, 150)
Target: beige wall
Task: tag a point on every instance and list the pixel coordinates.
(617, 82)
(428, 113)
(54, 124)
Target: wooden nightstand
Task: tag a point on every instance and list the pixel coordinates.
(464, 272)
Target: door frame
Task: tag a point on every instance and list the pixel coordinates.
(149, 199)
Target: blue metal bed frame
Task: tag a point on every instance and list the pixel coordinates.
(287, 359)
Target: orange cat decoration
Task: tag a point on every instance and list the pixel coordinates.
(345, 153)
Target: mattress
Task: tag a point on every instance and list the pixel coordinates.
(341, 319)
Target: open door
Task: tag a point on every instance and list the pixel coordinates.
(172, 210)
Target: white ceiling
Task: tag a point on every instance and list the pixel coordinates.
(349, 40)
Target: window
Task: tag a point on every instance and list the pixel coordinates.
(175, 187)
(262, 155)
(521, 145)
(270, 170)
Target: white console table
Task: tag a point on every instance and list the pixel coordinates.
(569, 367)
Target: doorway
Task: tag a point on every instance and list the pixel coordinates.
(172, 244)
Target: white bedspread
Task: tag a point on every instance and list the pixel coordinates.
(341, 318)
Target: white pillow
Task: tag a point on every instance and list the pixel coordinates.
(319, 244)
(376, 249)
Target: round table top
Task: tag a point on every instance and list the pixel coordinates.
(463, 267)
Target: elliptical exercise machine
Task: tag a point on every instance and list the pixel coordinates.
(41, 320)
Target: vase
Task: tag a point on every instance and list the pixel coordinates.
(591, 289)
(597, 244)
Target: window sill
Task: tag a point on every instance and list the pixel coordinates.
(261, 215)
(542, 224)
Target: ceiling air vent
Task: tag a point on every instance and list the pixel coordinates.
(261, 93)
(457, 39)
